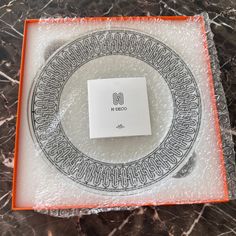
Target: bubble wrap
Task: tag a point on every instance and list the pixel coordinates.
(189, 157)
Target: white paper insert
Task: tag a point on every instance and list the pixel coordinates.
(118, 107)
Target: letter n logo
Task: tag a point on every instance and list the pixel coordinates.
(118, 98)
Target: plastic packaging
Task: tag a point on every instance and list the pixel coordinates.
(189, 157)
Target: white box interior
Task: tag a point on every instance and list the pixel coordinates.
(40, 184)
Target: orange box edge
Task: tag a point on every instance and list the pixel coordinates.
(120, 18)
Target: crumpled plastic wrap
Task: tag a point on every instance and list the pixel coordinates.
(227, 141)
(61, 172)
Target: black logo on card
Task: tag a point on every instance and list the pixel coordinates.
(118, 99)
(120, 126)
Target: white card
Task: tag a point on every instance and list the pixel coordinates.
(118, 107)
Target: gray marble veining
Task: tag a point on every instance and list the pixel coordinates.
(202, 219)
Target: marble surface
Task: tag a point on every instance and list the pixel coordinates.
(202, 219)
